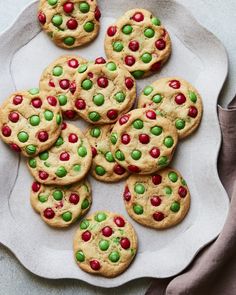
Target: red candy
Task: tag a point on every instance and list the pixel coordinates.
(119, 221)
(155, 152)
(51, 83)
(134, 45)
(74, 199)
(36, 186)
(42, 18)
(150, 114)
(97, 13)
(52, 100)
(129, 60)
(43, 175)
(64, 84)
(72, 87)
(155, 201)
(73, 138)
(192, 112)
(156, 66)
(90, 75)
(125, 243)
(182, 192)
(43, 136)
(36, 102)
(160, 44)
(72, 24)
(6, 131)
(86, 236)
(64, 156)
(107, 231)
(70, 114)
(129, 83)
(102, 82)
(73, 63)
(138, 17)
(156, 179)
(144, 138)
(134, 169)
(63, 126)
(68, 7)
(95, 264)
(100, 60)
(49, 213)
(94, 152)
(119, 169)
(112, 114)
(158, 216)
(14, 117)
(127, 194)
(80, 104)
(125, 138)
(180, 98)
(111, 31)
(174, 84)
(17, 99)
(124, 119)
(15, 147)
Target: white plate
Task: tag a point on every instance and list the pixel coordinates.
(198, 57)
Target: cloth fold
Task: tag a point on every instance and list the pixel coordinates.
(213, 271)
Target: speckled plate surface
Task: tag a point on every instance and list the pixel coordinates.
(198, 57)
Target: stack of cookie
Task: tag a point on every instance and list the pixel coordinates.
(119, 143)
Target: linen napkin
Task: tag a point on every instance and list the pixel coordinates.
(213, 271)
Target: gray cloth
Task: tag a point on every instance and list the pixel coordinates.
(213, 271)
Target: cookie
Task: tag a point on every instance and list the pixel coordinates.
(138, 41)
(58, 79)
(69, 23)
(105, 90)
(66, 162)
(143, 142)
(105, 244)
(159, 201)
(104, 167)
(60, 206)
(175, 99)
(30, 122)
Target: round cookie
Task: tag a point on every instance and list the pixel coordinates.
(105, 244)
(105, 91)
(104, 167)
(138, 41)
(58, 79)
(66, 162)
(30, 122)
(69, 23)
(175, 99)
(143, 142)
(159, 201)
(60, 206)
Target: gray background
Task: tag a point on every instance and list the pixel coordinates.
(216, 15)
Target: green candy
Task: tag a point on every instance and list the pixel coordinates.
(168, 141)
(192, 95)
(114, 256)
(100, 170)
(87, 84)
(61, 172)
(32, 163)
(137, 74)
(120, 96)
(57, 195)
(136, 154)
(147, 90)
(95, 132)
(183, 181)
(44, 156)
(111, 66)
(62, 99)
(67, 216)
(127, 29)
(139, 188)
(80, 256)
(58, 119)
(42, 198)
(94, 116)
(100, 217)
(175, 206)
(168, 190)
(89, 27)
(69, 41)
(84, 224)
(34, 91)
(149, 33)
(117, 46)
(23, 136)
(59, 141)
(34, 120)
(157, 98)
(84, 7)
(179, 124)
(98, 99)
(109, 157)
(173, 176)
(85, 204)
(82, 69)
(113, 138)
(156, 21)
(77, 167)
(47, 164)
(156, 130)
(57, 20)
(104, 245)
(146, 57)
(31, 149)
(138, 124)
(57, 71)
(163, 161)
(52, 2)
(138, 209)
(119, 155)
(48, 115)
(82, 151)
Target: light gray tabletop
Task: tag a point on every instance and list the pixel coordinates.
(219, 17)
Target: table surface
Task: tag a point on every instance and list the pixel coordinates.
(218, 17)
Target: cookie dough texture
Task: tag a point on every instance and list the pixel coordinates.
(159, 201)
(104, 92)
(60, 206)
(105, 244)
(30, 121)
(138, 41)
(104, 167)
(177, 100)
(69, 23)
(58, 79)
(66, 162)
(143, 142)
